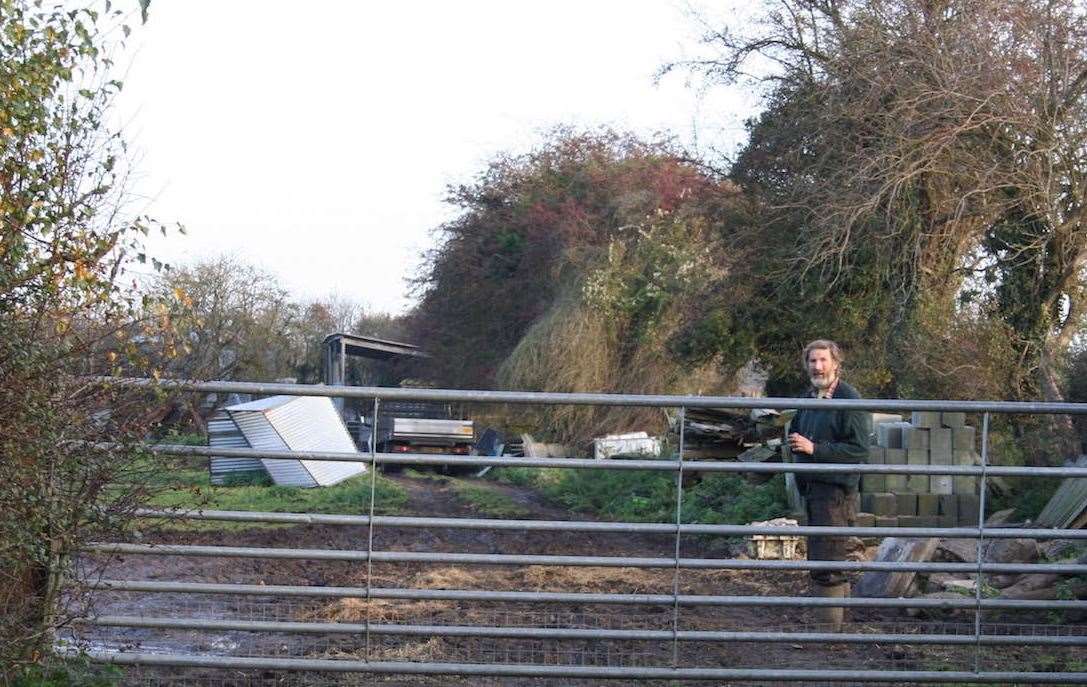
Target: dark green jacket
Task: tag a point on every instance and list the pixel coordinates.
(840, 436)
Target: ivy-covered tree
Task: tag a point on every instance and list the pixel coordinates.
(919, 171)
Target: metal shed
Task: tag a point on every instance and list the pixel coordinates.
(283, 423)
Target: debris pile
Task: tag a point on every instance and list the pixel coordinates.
(723, 433)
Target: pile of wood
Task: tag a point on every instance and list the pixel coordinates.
(726, 433)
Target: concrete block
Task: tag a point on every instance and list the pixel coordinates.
(906, 504)
(948, 520)
(952, 419)
(889, 434)
(925, 419)
(917, 484)
(915, 438)
(895, 456)
(964, 484)
(864, 520)
(908, 520)
(941, 484)
(968, 508)
(919, 521)
(886, 521)
(877, 455)
(964, 457)
(871, 484)
(963, 439)
(928, 504)
(879, 504)
(949, 505)
(939, 441)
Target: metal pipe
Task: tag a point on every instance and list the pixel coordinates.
(581, 561)
(154, 586)
(553, 398)
(617, 527)
(584, 672)
(582, 463)
(979, 580)
(508, 632)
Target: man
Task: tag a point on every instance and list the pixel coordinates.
(829, 436)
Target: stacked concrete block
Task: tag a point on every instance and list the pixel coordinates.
(917, 484)
(896, 484)
(930, 438)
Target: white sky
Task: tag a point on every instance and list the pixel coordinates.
(316, 139)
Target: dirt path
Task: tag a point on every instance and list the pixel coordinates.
(438, 497)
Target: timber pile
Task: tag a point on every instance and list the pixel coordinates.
(724, 433)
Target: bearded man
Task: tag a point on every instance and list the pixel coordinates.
(826, 435)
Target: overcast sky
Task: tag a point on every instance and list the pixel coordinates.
(316, 139)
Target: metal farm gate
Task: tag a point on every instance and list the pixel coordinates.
(463, 629)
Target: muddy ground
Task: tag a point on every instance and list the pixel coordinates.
(435, 497)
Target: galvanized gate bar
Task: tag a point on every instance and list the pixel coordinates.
(518, 632)
(591, 464)
(587, 672)
(159, 587)
(582, 561)
(679, 466)
(623, 527)
(555, 398)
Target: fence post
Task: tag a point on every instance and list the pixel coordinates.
(370, 524)
(679, 521)
(979, 578)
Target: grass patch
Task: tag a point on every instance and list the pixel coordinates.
(479, 496)
(190, 489)
(643, 496)
(487, 500)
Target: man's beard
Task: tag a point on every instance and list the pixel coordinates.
(822, 382)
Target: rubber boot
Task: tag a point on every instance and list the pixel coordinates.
(831, 616)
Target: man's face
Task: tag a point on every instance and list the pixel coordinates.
(822, 369)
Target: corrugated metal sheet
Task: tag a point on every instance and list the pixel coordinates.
(284, 423)
(311, 423)
(260, 433)
(1067, 503)
(222, 432)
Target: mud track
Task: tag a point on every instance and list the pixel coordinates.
(436, 497)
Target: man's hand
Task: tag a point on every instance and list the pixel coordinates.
(798, 443)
